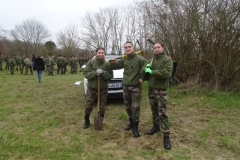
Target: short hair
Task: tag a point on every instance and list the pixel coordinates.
(159, 43)
(128, 42)
(100, 48)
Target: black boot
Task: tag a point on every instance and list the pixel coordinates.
(130, 125)
(153, 130)
(87, 121)
(135, 129)
(167, 143)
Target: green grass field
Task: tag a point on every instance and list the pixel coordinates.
(45, 121)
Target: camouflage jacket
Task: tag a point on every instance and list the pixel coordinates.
(60, 60)
(132, 65)
(90, 73)
(27, 62)
(19, 60)
(161, 71)
(74, 61)
(11, 62)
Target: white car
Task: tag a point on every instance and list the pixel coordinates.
(115, 86)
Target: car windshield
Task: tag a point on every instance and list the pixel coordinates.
(108, 57)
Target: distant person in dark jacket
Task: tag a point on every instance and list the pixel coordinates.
(33, 59)
(39, 66)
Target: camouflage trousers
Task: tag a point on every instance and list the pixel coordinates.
(50, 69)
(80, 65)
(158, 101)
(7, 66)
(132, 97)
(1, 65)
(22, 68)
(61, 67)
(90, 99)
(11, 69)
(46, 66)
(74, 69)
(28, 66)
(18, 65)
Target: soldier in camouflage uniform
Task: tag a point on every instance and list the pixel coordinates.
(60, 64)
(12, 64)
(73, 64)
(94, 68)
(22, 65)
(46, 61)
(18, 63)
(6, 61)
(50, 65)
(28, 65)
(65, 64)
(132, 80)
(1, 62)
(81, 62)
(159, 72)
(70, 63)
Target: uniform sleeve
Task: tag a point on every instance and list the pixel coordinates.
(88, 72)
(142, 71)
(117, 65)
(108, 74)
(165, 72)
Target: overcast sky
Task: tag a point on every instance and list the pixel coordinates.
(54, 14)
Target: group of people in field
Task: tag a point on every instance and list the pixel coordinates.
(38, 63)
(137, 69)
(21, 64)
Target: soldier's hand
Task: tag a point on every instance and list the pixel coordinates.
(148, 70)
(148, 65)
(99, 71)
(111, 60)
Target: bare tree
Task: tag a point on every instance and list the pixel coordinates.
(2, 37)
(69, 40)
(202, 35)
(111, 27)
(29, 35)
(98, 26)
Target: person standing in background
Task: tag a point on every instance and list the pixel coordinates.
(12, 64)
(81, 62)
(28, 65)
(6, 61)
(1, 62)
(60, 64)
(39, 66)
(65, 64)
(33, 59)
(18, 63)
(50, 65)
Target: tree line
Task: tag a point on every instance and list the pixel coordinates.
(201, 35)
